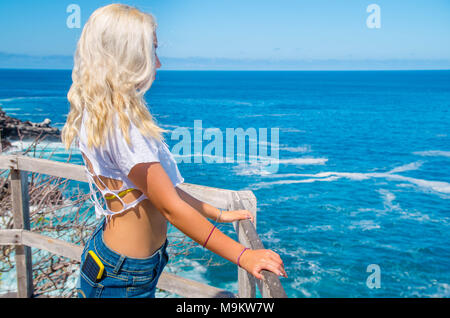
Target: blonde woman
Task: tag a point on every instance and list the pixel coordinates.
(133, 176)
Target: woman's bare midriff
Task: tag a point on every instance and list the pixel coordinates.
(137, 232)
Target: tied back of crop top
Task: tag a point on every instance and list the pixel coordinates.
(115, 159)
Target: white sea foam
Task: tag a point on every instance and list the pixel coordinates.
(432, 289)
(233, 102)
(8, 282)
(433, 153)
(300, 149)
(8, 109)
(45, 149)
(268, 144)
(175, 127)
(290, 129)
(12, 99)
(270, 236)
(230, 286)
(299, 282)
(428, 185)
(250, 115)
(320, 228)
(281, 115)
(410, 166)
(266, 115)
(312, 273)
(45, 144)
(439, 187)
(248, 169)
(214, 158)
(348, 175)
(263, 166)
(284, 199)
(364, 225)
(388, 199)
(416, 215)
(303, 161)
(270, 184)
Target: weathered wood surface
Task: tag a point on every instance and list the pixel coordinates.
(11, 237)
(246, 281)
(36, 240)
(21, 216)
(9, 295)
(168, 282)
(270, 286)
(44, 166)
(220, 198)
(190, 288)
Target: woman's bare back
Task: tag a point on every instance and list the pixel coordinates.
(137, 232)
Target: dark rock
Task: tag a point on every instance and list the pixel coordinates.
(13, 128)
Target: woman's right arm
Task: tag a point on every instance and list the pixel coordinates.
(152, 179)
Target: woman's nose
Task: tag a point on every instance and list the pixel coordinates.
(158, 62)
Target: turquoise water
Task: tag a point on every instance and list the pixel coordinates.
(363, 172)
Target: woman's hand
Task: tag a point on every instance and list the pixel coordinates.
(230, 216)
(254, 261)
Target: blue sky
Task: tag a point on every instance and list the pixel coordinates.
(246, 34)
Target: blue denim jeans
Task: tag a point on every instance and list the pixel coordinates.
(123, 276)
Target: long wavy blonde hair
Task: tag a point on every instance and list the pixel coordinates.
(114, 65)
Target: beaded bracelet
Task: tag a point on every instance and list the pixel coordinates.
(218, 218)
(245, 248)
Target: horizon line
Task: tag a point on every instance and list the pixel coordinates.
(65, 62)
(247, 70)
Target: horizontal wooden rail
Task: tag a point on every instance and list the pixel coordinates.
(44, 166)
(36, 240)
(167, 281)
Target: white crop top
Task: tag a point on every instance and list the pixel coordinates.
(116, 158)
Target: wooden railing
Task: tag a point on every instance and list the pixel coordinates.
(23, 238)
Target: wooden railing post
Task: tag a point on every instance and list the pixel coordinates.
(270, 286)
(246, 281)
(21, 215)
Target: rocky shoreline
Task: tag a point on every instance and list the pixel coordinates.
(14, 129)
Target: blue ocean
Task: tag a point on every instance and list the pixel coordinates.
(363, 173)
